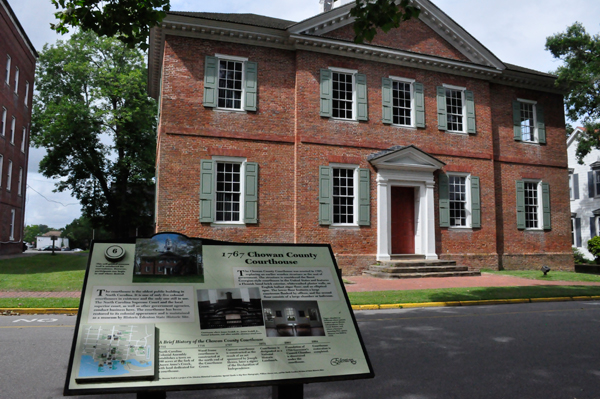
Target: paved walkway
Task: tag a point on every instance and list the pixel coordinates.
(365, 283)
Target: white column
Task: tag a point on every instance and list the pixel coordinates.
(383, 219)
(429, 226)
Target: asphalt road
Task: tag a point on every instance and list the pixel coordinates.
(539, 350)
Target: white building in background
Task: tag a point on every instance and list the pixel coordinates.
(584, 188)
(46, 239)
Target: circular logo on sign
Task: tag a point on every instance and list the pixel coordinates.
(114, 253)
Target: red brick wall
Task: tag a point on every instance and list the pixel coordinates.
(413, 35)
(289, 140)
(12, 44)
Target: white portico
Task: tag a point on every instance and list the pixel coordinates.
(405, 202)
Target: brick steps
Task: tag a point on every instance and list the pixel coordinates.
(418, 268)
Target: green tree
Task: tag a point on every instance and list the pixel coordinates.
(580, 75)
(33, 231)
(131, 20)
(80, 233)
(97, 124)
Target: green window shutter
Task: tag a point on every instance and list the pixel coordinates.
(517, 120)
(326, 92)
(250, 86)
(441, 108)
(211, 81)
(207, 176)
(520, 205)
(546, 205)
(475, 202)
(419, 104)
(325, 185)
(541, 126)
(362, 109)
(470, 100)
(444, 201)
(251, 193)
(364, 197)
(386, 101)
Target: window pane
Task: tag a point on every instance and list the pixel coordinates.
(230, 84)
(454, 110)
(228, 190)
(342, 95)
(531, 205)
(457, 190)
(343, 195)
(527, 122)
(401, 103)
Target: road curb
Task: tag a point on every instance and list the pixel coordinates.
(73, 311)
(473, 303)
(20, 311)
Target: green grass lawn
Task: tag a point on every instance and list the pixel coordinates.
(551, 276)
(39, 303)
(469, 294)
(43, 272)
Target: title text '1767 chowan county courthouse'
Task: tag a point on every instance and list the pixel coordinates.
(421, 142)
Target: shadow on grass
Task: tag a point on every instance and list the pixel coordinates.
(44, 263)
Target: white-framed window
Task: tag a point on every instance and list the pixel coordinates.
(344, 194)
(528, 121)
(25, 98)
(403, 107)
(12, 130)
(1, 166)
(459, 197)
(12, 225)
(229, 191)
(596, 174)
(23, 138)
(231, 82)
(573, 231)
(9, 176)
(20, 188)
(8, 60)
(343, 94)
(455, 108)
(16, 79)
(533, 209)
(3, 127)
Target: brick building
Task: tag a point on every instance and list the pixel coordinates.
(17, 66)
(422, 142)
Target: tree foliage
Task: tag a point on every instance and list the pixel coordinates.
(128, 20)
(382, 14)
(35, 230)
(97, 124)
(80, 233)
(131, 20)
(580, 74)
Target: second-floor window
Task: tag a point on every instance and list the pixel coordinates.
(8, 60)
(456, 109)
(16, 80)
(230, 83)
(9, 176)
(12, 130)
(343, 94)
(23, 138)
(528, 121)
(26, 93)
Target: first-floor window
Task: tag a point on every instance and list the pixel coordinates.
(12, 224)
(9, 176)
(343, 196)
(19, 188)
(1, 165)
(531, 205)
(229, 191)
(457, 191)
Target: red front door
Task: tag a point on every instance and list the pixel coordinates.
(403, 220)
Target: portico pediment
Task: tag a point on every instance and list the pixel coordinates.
(405, 158)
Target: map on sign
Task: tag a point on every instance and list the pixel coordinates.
(117, 352)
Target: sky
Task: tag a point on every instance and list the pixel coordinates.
(514, 30)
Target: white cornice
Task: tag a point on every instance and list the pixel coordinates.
(207, 29)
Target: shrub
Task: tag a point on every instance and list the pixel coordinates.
(579, 256)
(594, 247)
